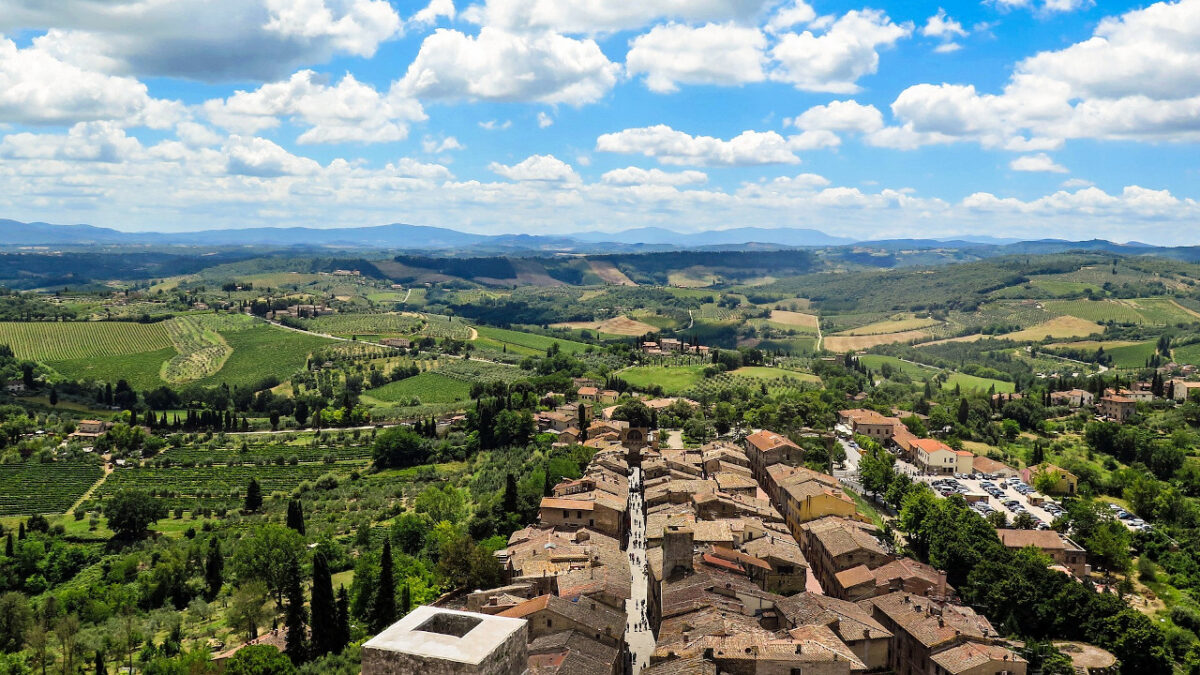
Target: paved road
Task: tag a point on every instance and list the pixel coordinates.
(638, 635)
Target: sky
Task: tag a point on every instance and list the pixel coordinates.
(1009, 118)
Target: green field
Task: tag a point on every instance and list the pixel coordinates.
(527, 344)
(261, 350)
(973, 383)
(141, 371)
(430, 387)
(1189, 354)
(673, 379)
(920, 373)
(766, 373)
(69, 341)
(1132, 356)
(1155, 311)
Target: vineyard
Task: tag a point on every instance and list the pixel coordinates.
(426, 388)
(438, 326)
(202, 351)
(190, 487)
(261, 351)
(364, 324)
(480, 371)
(54, 341)
(711, 388)
(30, 488)
(524, 343)
(271, 454)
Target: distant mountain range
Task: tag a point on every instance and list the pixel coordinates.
(423, 238)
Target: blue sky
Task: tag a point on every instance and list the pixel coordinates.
(1027, 118)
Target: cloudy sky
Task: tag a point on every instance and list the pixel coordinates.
(1030, 118)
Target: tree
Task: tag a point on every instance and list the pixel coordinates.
(1023, 521)
(259, 660)
(964, 411)
(635, 412)
(66, 629)
(408, 531)
(1046, 481)
(510, 494)
(53, 396)
(248, 608)
(295, 516)
(214, 570)
(324, 611)
(398, 447)
(15, 618)
(131, 512)
(254, 498)
(101, 667)
(296, 620)
(343, 619)
(405, 599)
(875, 468)
(383, 604)
(271, 554)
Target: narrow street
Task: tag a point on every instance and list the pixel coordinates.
(638, 635)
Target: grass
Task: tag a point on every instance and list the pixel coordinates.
(673, 379)
(1189, 354)
(973, 383)
(913, 370)
(431, 387)
(525, 343)
(768, 373)
(864, 507)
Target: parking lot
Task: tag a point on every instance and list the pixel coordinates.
(996, 492)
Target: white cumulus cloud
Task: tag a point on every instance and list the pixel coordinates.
(498, 65)
(349, 111)
(540, 168)
(1040, 162)
(673, 54)
(633, 175)
(836, 59)
(669, 146)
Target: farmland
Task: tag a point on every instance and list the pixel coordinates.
(846, 343)
(1057, 328)
(524, 343)
(33, 487)
(346, 325)
(189, 487)
(202, 351)
(67, 341)
(794, 319)
(425, 388)
(621, 326)
(673, 379)
(903, 325)
(260, 351)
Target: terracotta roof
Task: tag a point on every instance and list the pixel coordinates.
(839, 536)
(693, 665)
(577, 504)
(770, 546)
(931, 623)
(855, 576)
(584, 612)
(931, 445)
(846, 618)
(1046, 540)
(738, 556)
(905, 569)
(971, 655)
(989, 465)
(765, 441)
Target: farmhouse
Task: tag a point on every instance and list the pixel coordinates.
(934, 456)
(1075, 398)
(1117, 408)
(1062, 550)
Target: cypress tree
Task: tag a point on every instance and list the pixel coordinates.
(101, 668)
(8, 546)
(343, 620)
(383, 605)
(253, 496)
(21, 530)
(296, 620)
(214, 569)
(405, 599)
(295, 516)
(324, 611)
(510, 494)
